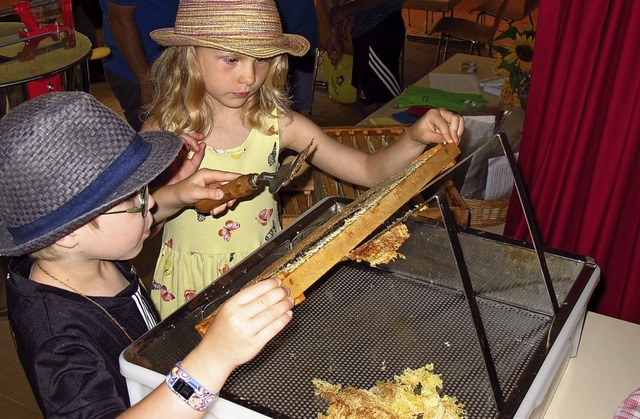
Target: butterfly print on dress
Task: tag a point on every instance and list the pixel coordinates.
(229, 226)
(264, 216)
(166, 295)
(272, 158)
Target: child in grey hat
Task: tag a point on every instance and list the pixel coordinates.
(75, 208)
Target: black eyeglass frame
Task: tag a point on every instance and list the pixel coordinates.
(142, 195)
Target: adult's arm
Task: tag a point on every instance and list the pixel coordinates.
(127, 36)
(337, 12)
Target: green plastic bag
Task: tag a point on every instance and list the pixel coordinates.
(436, 98)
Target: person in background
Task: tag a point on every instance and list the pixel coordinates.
(126, 28)
(299, 17)
(87, 18)
(232, 89)
(73, 212)
(378, 35)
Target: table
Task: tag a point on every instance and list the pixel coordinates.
(512, 124)
(56, 65)
(604, 372)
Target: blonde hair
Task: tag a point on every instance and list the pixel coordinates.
(180, 102)
(50, 253)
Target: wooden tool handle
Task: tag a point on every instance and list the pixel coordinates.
(235, 189)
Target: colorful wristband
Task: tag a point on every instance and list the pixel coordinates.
(188, 389)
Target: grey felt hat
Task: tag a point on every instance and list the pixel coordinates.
(64, 159)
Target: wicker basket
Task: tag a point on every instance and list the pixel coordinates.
(487, 213)
(457, 205)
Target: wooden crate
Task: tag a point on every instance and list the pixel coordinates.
(296, 196)
(370, 139)
(311, 185)
(486, 213)
(292, 204)
(365, 138)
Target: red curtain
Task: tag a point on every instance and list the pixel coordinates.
(580, 148)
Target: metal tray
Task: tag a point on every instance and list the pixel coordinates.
(361, 324)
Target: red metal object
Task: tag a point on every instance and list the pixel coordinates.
(35, 32)
(44, 85)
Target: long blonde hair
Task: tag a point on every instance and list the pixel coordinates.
(180, 102)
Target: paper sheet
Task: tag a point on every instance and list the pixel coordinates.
(499, 178)
(383, 120)
(471, 177)
(492, 85)
(459, 83)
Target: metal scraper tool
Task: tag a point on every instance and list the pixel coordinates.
(246, 184)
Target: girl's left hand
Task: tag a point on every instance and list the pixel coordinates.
(438, 126)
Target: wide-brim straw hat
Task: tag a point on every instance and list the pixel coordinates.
(64, 159)
(249, 27)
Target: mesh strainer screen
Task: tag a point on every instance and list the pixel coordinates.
(363, 325)
(360, 325)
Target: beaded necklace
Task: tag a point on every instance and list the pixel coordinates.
(88, 298)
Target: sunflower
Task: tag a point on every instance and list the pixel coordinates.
(513, 55)
(520, 51)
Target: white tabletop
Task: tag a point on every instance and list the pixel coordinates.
(451, 66)
(604, 372)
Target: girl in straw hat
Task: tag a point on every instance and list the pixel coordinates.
(223, 75)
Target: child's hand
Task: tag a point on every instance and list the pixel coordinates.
(188, 160)
(438, 126)
(205, 184)
(191, 141)
(246, 322)
(241, 328)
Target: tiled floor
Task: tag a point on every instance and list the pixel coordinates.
(16, 398)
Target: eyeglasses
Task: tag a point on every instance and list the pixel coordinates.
(142, 197)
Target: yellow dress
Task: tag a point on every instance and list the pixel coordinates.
(196, 248)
